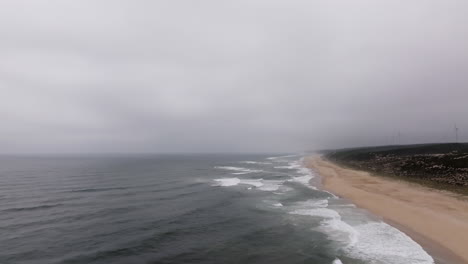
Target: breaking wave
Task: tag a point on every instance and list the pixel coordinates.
(364, 239)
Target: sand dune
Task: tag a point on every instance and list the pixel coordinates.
(437, 220)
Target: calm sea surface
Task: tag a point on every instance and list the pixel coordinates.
(184, 209)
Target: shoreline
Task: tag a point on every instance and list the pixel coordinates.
(436, 220)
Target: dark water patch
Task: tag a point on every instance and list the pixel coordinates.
(99, 189)
(38, 207)
(178, 196)
(164, 188)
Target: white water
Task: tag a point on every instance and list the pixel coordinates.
(260, 184)
(228, 181)
(356, 235)
(382, 243)
(255, 162)
(337, 261)
(238, 170)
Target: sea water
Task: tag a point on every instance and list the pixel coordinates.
(185, 209)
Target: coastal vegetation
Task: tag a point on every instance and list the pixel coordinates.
(437, 165)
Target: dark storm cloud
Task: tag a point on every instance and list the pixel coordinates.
(200, 76)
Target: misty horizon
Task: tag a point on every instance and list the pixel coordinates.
(230, 76)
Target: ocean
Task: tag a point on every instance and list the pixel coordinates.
(185, 209)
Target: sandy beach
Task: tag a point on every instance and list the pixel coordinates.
(435, 219)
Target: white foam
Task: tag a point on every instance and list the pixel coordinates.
(283, 167)
(381, 243)
(332, 225)
(375, 242)
(337, 261)
(278, 204)
(345, 205)
(341, 231)
(228, 182)
(293, 165)
(302, 179)
(322, 212)
(255, 162)
(313, 203)
(305, 172)
(332, 195)
(257, 183)
(260, 184)
(271, 185)
(238, 170)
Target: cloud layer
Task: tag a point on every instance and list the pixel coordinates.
(230, 76)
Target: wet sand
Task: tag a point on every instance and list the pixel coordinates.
(437, 220)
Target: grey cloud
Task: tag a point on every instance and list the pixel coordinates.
(230, 76)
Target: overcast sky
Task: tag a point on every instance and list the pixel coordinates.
(230, 76)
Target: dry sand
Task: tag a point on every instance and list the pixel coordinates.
(437, 220)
